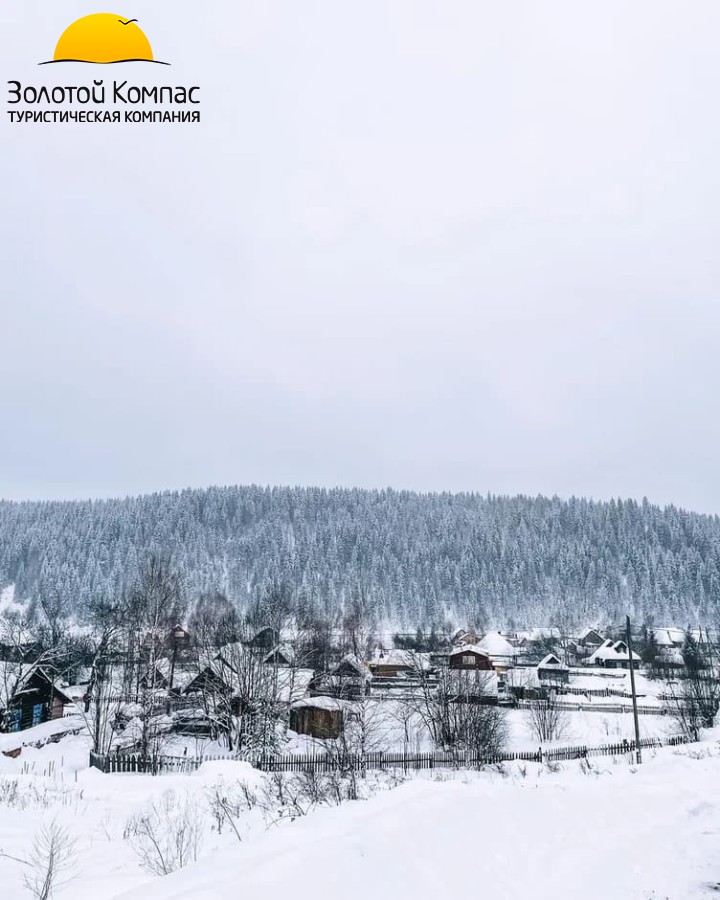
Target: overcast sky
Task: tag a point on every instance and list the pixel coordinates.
(439, 245)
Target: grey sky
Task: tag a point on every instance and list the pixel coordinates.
(437, 245)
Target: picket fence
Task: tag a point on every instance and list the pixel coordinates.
(325, 763)
(599, 707)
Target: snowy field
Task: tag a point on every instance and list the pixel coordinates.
(619, 830)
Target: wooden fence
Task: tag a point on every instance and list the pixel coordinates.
(600, 707)
(325, 763)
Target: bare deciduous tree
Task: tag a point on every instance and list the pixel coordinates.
(457, 709)
(695, 699)
(51, 861)
(548, 721)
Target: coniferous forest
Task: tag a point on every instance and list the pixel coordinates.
(417, 560)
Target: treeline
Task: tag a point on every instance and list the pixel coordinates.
(414, 559)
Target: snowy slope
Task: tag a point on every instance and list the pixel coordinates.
(628, 834)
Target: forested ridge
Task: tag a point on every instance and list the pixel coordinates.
(417, 559)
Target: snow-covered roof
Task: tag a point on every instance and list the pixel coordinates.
(612, 650)
(293, 684)
(285, 650)
(469, 648)
(551, 661)
(330, 703)
(586, 632)
(406, 658)
(13, 677)
(355, 663)
(496, 645)
(662, 637)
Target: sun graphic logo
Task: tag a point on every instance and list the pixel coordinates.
(103, 38)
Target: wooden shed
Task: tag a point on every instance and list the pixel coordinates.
(318, 717)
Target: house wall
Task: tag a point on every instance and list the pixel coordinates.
(471, 661)
(318, 723)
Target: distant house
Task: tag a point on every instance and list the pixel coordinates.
(391, 663)
(501, 652)
(265, 639)
(462, 637)
(282, 655)
(318, 717)
(613, 655)
(349, 679)
(552, 671)
(590, 638)
(29, 697)
(471, 657)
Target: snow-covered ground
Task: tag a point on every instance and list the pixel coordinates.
(619, 831)
(615, 831)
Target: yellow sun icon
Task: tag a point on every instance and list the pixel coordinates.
(103, 38)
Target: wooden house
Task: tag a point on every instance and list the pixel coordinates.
(552, 671)
(30, 698)
(318, 717)
(613, 655)
(392, 663)
(589, 639)
(471, 657)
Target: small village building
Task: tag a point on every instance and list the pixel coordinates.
(471, 657)
(462, 637)
(394, 663)
(613, 655)
(349, 679)
(501, 652)
(29, 697)
(551, 671)
(282, 655)
(318, 717)
(590, 638)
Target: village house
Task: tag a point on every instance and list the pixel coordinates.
(551, 671)
(282, 655)
(29, 696)
(589, 639)
(394, 663)
(613, 655)
(501, 652)
(462, 637)
(470, 657)
(349, 679)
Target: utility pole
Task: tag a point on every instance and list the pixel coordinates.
(632, 688)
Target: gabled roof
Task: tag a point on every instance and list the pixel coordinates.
(612, 650)
(349, 661)
(469, 648)
(551, 661)
(286, 651)
(15, 676)
(400, 658)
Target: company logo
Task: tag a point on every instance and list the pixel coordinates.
(103, 38)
